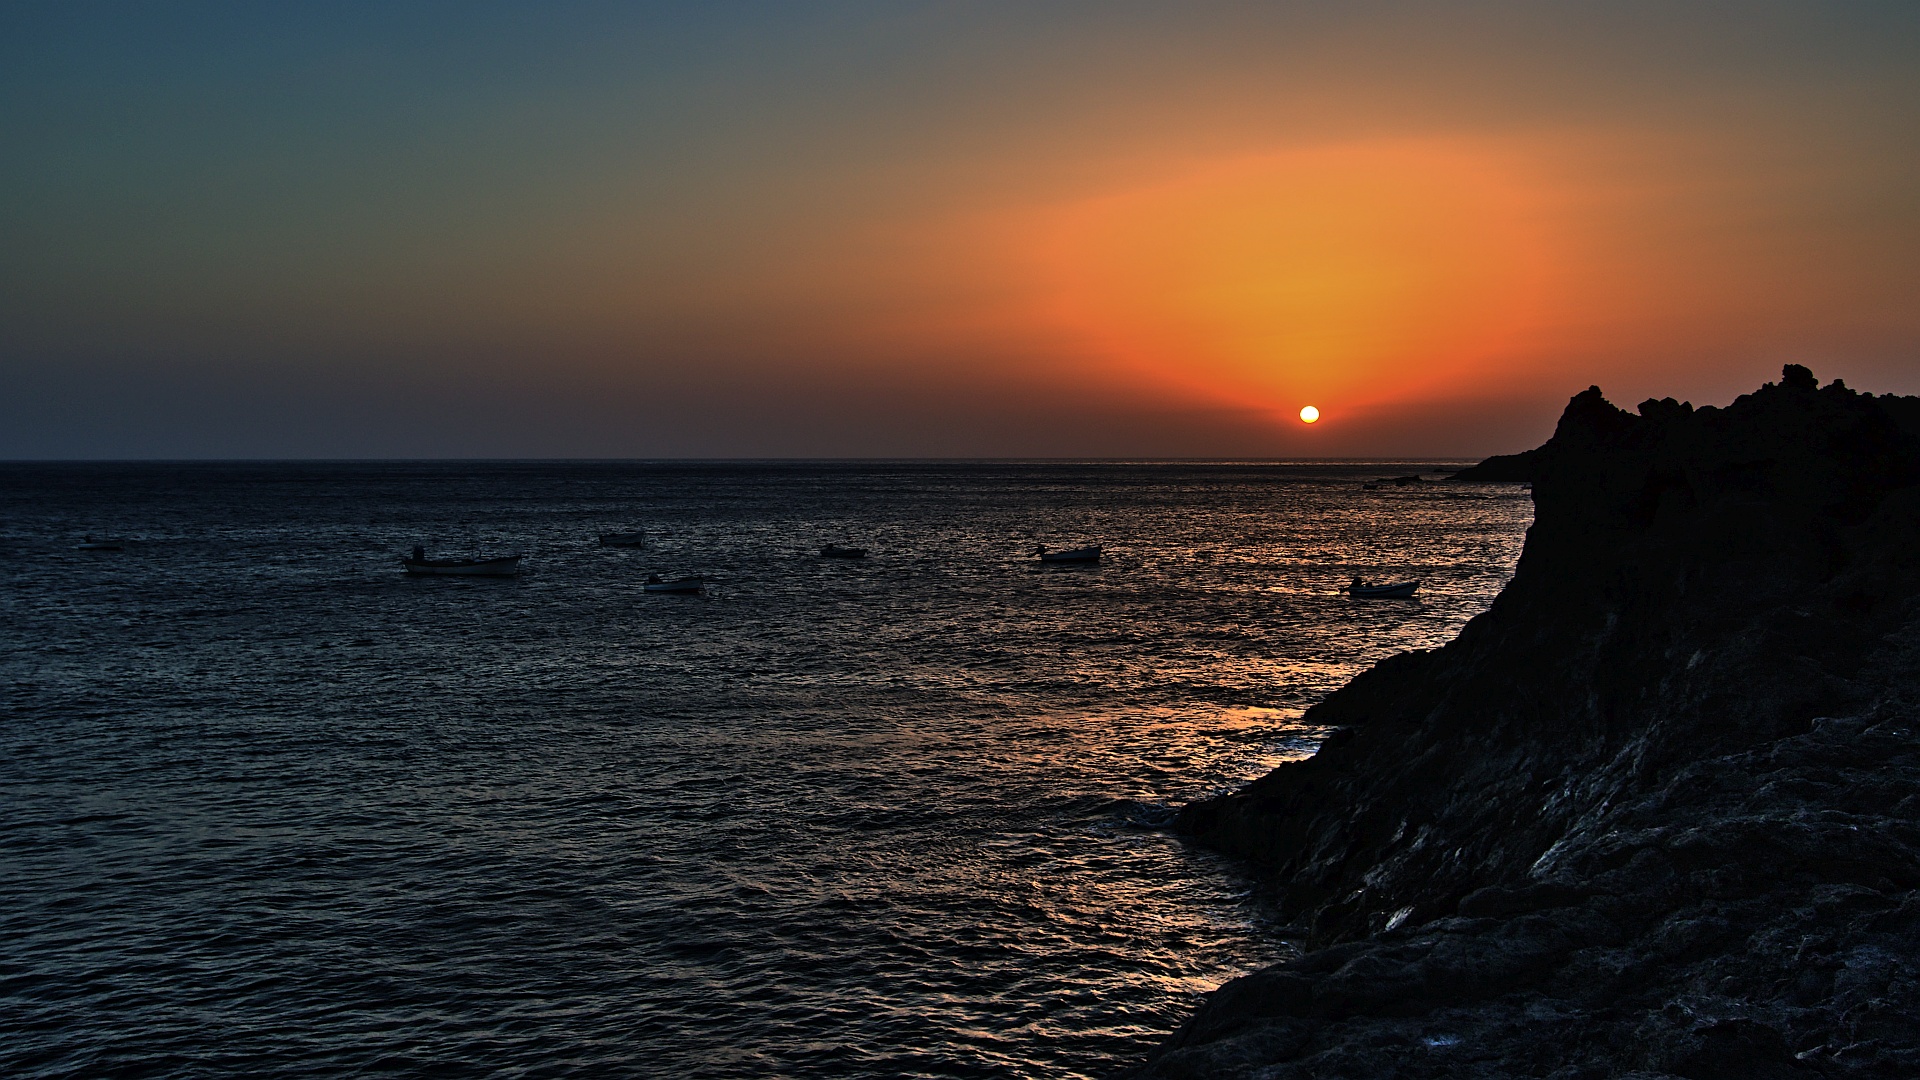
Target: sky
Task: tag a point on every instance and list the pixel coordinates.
(473, 229)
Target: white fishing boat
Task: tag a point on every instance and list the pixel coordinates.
(498, 566)
(88, 543)
(1072, 555)
(1399, 590)
(675, 585)
(623, 539)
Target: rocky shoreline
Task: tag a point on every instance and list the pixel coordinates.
(1655, 813)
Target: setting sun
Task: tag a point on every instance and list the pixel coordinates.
(1309, 415)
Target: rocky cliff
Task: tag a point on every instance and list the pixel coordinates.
(1655, 813)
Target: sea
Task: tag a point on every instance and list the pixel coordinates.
(270, 807)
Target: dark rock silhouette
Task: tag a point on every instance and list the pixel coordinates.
(1500, 469)
(1655, 813)
(1519, 468)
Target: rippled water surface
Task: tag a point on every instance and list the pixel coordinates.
(267, 806)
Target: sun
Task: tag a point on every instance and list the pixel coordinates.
(1309, 415)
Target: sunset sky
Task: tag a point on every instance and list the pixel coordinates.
(910, 230)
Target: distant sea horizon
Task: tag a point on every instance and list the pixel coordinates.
(1087, 460)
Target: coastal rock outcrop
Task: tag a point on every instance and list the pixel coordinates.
(1500, 469)
(1655, 813)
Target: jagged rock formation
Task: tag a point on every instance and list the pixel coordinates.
(1655, 813)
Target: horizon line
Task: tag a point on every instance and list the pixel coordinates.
(1086, 460)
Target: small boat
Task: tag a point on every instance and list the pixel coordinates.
(1075, 555)
(88, 543)
(1399, 590)
(625, 539)
(835, 551)
(500, 566)
(677, 585)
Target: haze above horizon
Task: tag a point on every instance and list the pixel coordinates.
(827, 230)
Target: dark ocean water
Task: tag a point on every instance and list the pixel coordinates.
(268, 807)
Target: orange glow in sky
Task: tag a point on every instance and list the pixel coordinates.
(1350, 275)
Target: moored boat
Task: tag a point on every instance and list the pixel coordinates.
(623, 539)
(498, 566)
(1399, 590)
(1089, 554)
(835, 551)
(676, 585)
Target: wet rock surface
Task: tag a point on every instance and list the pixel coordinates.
(1655, 813)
